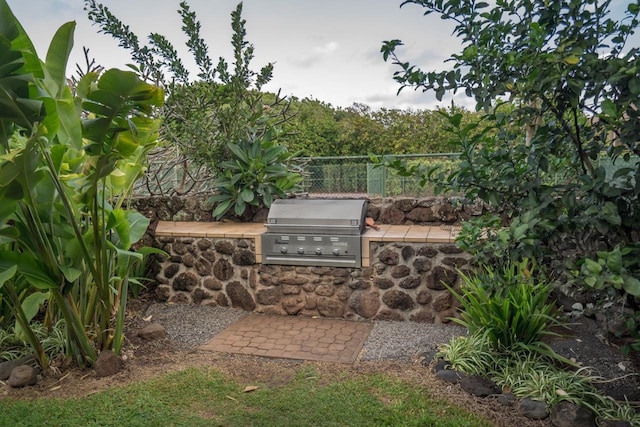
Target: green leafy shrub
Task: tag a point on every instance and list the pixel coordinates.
(257, 174)
(531, 374)
(560, 136)
(509, 307)
(53, 340)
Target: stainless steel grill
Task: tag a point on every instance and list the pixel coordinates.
(321, 232)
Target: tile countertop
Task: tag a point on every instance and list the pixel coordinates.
(386, 233)
(246, 230)
(232, 230)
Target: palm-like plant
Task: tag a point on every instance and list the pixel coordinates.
(64, 175)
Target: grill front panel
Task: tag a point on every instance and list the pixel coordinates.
(321, 232)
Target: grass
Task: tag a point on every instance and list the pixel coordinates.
(203, 397)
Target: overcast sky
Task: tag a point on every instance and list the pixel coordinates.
(323, 49)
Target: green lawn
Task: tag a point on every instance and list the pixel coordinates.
(203, 397)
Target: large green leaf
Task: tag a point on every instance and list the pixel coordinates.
(8, 22)
(8, 205)
(28, 267)
(631, 286)
(110, 129)
(247, 195)
(239, 152)
(127, 86)
(126, 259)
(32, 303)
(58, 56)
(8, 233)
(95, 129)
(30, 307)
(222, 208)
(138, 225)
(70, 274)
(7, 274)
(117, 220)
(15, 104)
(69, 125)
(11, 28)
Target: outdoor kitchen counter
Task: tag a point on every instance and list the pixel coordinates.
(233, 230)
(408, 234)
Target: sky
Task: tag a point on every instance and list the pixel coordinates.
(327, 50)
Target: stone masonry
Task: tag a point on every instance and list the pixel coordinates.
(406, 281)
(396, 211)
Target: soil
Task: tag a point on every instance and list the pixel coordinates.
(143, 360)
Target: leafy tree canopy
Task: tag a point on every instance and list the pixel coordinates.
(320, 129)
(223, 104)
(561, 158)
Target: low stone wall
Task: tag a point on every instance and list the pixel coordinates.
(404, 281)
(402, 211)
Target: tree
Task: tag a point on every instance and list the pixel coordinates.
(557, 150)
(224, 104)
(313, 129)
(418, 131)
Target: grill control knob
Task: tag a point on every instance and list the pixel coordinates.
(336, 252)
(300, 251)
(318, 251)
(283, 249)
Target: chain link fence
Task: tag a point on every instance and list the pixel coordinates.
(352, 176)
(170, 174)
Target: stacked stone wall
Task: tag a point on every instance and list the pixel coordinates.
(400, 211)
(207, 271)
(405, 281)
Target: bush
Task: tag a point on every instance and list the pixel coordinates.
(509, 307)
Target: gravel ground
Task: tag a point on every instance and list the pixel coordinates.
(406, 340)
(194, 325)
(190, 326)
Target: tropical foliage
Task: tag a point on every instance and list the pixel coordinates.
(256, 177)
(67, 166)
(223, 105)
(510, 307)
(509, 313)
(557, 149)
(535, 376)
(319, 129)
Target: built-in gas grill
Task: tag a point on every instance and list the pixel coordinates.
(320, 232)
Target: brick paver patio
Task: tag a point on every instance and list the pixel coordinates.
(305, 338)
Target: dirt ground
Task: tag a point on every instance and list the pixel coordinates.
(147, 361)
(143, 360)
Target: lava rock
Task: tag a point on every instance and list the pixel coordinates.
(107, 364)
(567, 414)
(533, 409)
(9, 365)
(240, 297)
(479, 386)
(506, 399)
(153, 331)
(22, 376)
(453, 377)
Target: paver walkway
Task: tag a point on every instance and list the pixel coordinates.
(306, 338)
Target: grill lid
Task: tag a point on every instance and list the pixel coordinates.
(313, 216)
